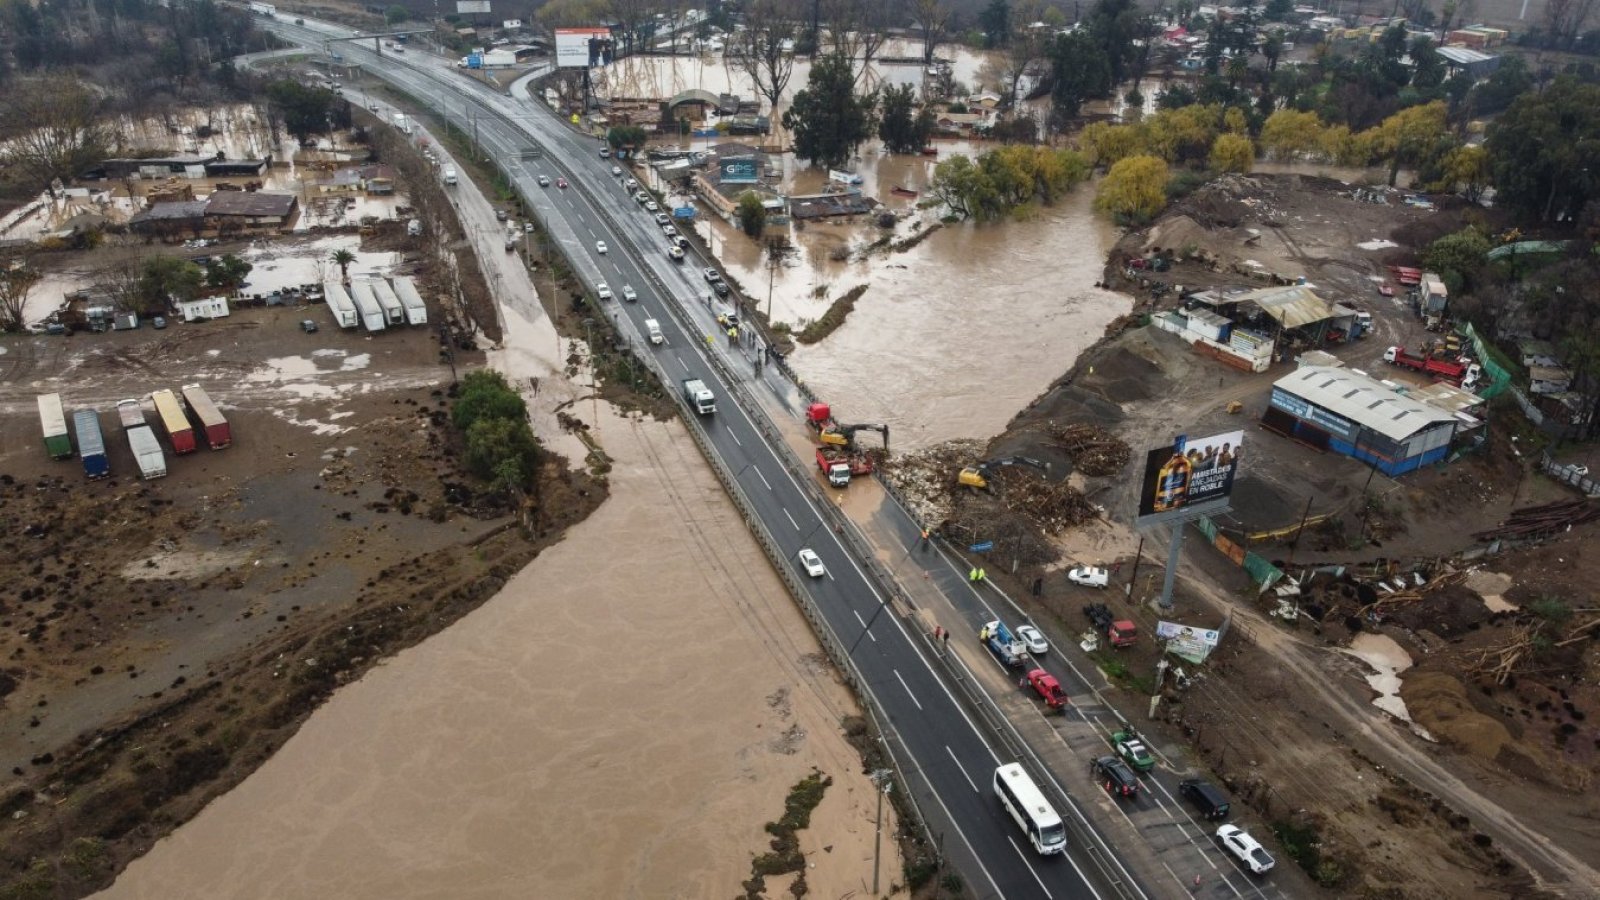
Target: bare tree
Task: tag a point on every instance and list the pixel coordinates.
(933, 22)
(1565, 19)
(764, 49)
(857, 29)
(15, 283)
(54, 128)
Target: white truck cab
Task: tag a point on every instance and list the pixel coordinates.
(653, 329)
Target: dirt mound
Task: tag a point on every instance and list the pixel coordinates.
(1439, 703)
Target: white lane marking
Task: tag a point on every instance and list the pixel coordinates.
(962, 768)
(763, 478)
(864, 626)
(791, 520)
(741, 444)
(908, 690)
(1027, 863)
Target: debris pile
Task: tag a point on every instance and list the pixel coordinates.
(1094, 450)
(1054, 506)
(925, 479)
(1532, 521)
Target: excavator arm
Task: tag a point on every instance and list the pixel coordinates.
(980, 475)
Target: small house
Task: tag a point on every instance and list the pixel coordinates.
(204, 308)
(1548, 380)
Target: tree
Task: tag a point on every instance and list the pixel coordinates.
(627, 137)
(54, 129)
(1232, 153)
(828, 119)
(15, 283)
(1289, 134)
(1135, 190)
(995, 20)
(1082, 71)
(1467, 169)
(485, 394)
(857, 29)
(1510, 81)
(752, 214)
(933, 23)
(305, 110)
(1428, 70)
(1458, 258)
(227, 272)
(902, 127)
(1004, 179)
(164, 280)
(394, 15)
(956, 184)
(1542, 151)
(1404, 136)
(762, 49)
(343, 258)
(503, 452)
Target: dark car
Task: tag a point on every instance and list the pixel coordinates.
(721, 287)
(1115, 776)
(308, 326)
(1207, 799)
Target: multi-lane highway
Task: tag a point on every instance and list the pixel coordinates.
(946, 754)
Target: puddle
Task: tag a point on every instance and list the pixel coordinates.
(1387, 660)
(1491, 586)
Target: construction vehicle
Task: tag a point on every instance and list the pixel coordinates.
(1120, 632)
(839, 464)
(1461, 374)
(1048, 688)
(1003, 644)
(980, 475)
(819, 417)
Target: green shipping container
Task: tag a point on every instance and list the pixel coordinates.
(53, 419)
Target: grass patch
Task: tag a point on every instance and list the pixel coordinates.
(1303, 844)
(831, 320)
(785, 856)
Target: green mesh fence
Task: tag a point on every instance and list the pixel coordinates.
(1494, 367)
(1262, 572)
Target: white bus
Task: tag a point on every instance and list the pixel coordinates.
(1033, 812)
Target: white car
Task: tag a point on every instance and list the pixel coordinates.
(1030, 635)
(630, 184)
(616, 170)
(1248, 850)
(653, 206)
(1089, 576)
(669, 230)
(812, 563)
(604, 290)
(662, 218)
(629, 294)
(600, 247)
(544, 181)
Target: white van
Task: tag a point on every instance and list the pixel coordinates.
(653, 329)
(1089, 576)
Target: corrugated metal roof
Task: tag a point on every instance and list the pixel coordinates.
(1362, 400)
(1462, 56)
(1294, 306)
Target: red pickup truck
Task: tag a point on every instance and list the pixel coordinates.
(1048, 688)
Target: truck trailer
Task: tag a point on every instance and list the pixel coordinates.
(130, 413)
(699, 396)
(340, 304)
(416, 310)
(218, 432)
(393, 311)
(372, 318)
(147, 452)
(91, 443)
(169, 409)
(53, 419)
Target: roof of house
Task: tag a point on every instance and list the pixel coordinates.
(1363, 400)
(1549, 373)
(249, 203)
(1462, 56)
(1293, 306)
(169, 210)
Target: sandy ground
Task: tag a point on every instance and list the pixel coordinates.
(460, 767)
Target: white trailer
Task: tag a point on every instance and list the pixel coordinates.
(416, 310)
(367, 306)
(392, 310)
(130, 413)
(147, 450)
(340, 304)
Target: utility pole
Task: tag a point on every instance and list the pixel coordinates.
(880, 779)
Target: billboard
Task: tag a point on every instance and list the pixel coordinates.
(1187, 642)
(1189, 477)
(738, 170)
(583, 48)
(472, 7)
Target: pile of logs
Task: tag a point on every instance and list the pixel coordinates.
(1094, 450)
(1549, 518)
(1054, 506)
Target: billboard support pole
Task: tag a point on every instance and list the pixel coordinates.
(1173, 552)
(1133, 577)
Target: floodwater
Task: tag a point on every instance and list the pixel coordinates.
(1387, 659)
(621, 728)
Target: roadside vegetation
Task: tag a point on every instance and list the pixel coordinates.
(492, 419)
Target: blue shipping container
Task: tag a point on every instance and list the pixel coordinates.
(91, 444)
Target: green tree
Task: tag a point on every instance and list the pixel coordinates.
(627, 137)
(343, 258)
(1458, 258)
(394, 15)
(1135, 190)
(53, 127)
(995, 20)
(164, 280)
(1466, 169)
(1082, 71)
(957, 184)
(305, 110)
(1428, 71)
(503, 452)
(828, 119)
(1405, 136)
(1232, 153)
(1543, 149)
(227, 272)
(484, 394)
(1290, 134)
(902, 127)
(1509, 82)
(752, 214)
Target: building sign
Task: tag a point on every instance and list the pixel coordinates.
(1189, 476)
(738, 170)
(1187, 642)
(1316, 415)
(583, 48)
(472, 7)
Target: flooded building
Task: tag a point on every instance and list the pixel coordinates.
(1358, 416)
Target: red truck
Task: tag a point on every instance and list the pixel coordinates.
(1120, 632)
(820, 417)
(218, 433)
(1458, 373)
(839, 465)
(1048, 688)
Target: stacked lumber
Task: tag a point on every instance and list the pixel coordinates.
(1094, 450)
(1547, 518)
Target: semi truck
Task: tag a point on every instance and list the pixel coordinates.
(218, 432)
(53, 419)
(393, 310)
(1120, 632)
(1003, 644)
(147, 451)
(91, 443)
(1457, 373)
(169, 409)
(836, 471)
(416, 310)
(340, 304)
(854, 461)
(372, 318)
(699, 396)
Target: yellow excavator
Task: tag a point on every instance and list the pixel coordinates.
(845, 435)
(980, 475)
